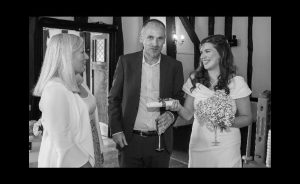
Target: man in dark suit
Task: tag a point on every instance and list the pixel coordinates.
(140, 78)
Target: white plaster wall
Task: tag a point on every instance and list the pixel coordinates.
(201, 27)
(131, 27)
(261, 60)
(185, 51)
(240, 53)
(219, 25)
(53, 32)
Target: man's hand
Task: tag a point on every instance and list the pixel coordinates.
(120, 139)
(164, 121)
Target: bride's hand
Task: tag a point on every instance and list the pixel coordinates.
(176, 106)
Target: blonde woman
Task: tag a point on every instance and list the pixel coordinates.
(68, 119)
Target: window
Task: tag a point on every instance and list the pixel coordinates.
(98, 45)
(100, 50)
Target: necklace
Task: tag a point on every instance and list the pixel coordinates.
(212, 83)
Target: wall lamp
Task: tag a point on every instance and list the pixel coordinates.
(178, 40)
(233, 42)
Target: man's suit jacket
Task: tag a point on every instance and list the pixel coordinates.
(124, 95)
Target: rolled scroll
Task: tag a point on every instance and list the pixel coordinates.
(160, 104)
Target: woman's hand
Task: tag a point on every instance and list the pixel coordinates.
(176, 106)
(186, 111)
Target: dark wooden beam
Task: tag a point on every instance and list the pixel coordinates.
(192, 21)
(146, 18)
(171, 29)
(37, 64)
(248, 133)
(196, 49)
(117, 21)
(250, 51)
(253, 99)
(66, 24)
(113, 60)
(211, 26)
(193, 36)
(228, 27)
(81, 20)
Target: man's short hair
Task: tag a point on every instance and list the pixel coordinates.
(154, 21)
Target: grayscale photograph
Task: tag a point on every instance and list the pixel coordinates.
(150, 92)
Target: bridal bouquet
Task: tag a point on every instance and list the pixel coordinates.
(217, 110)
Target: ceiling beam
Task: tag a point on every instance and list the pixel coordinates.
(250, 51)
(228, 28)
(171, 29)
(146, 18)
(192, 34)
(81, 20)
(211, 26)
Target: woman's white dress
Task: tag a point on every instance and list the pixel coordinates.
(202, 153)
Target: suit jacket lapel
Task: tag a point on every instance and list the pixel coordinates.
(137, 73)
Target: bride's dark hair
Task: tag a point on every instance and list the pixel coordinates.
(227, 67)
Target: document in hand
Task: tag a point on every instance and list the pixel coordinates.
(160, 104)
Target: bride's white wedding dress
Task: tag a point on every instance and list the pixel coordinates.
(202, 153)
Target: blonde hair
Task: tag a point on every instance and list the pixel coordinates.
(58, 62)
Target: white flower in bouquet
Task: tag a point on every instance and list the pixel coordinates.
(217, 110)
(38, 128)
